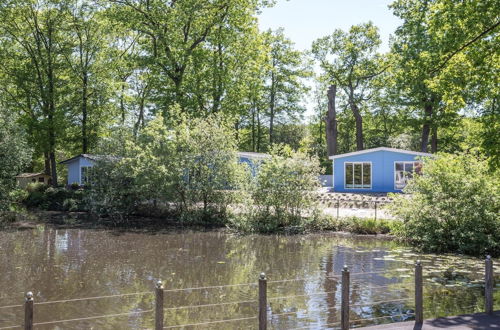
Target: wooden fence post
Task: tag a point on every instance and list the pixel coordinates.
(338, 205)
(28, 311)
(159, 306)
(488, 286)
(344, 307)
(419, 302)
(262, 301)
(375, 210)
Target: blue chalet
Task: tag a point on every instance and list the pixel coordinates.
(375, 170)
(78, 166)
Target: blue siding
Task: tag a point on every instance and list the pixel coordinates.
(382, 170)
(74, 169)
(252, 163)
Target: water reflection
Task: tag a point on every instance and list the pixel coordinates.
(65, 264)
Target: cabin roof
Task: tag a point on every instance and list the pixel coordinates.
(91, 157)
(355, 153)
(30, 175)
(253, 155)
(246, 154)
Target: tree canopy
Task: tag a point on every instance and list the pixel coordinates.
(75, 73)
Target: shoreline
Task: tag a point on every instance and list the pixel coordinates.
(82, 220)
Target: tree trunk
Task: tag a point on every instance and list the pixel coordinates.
(140, 118)
(122, 101)
(359, 124)
(85, 138)
(218, 73)
(271, 107)
(47, 162)
(253, 128)
(237, 131)
(331, 122)
(259, 131)
(51, 112)
(434, 140)
(426, 127)
(53, 167)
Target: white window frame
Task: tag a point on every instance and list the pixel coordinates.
(414, 162)
(371, 175)
(81, 177)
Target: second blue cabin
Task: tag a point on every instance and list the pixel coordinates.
(78, 166)
(375, 170)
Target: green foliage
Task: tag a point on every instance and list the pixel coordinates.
(453, 206)
(283, 193)
(36, 187)
(14, 157)
(192, 169)
(355, 225)
(44, 197)
(113, 190)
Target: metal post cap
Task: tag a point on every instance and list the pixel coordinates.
(262, 276)
(418, 263)
(345, 269)
(159, 284)
(29, 295)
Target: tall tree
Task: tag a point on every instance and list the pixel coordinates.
(350, 60)
(446, 54)
(331, 122)
(176, 35)
(15, 154)
(288, 68)
(91, 67)
(33, 44)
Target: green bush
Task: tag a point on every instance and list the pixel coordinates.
(355, 225)
(453, 206)
(365, 226)
(70, 204)
(114, 192)
(36, 187)
(191, 168)
(18, 196)
(53, 199)
(282, 193)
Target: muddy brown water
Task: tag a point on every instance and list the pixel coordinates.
(65, 264)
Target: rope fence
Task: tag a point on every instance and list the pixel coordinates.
(211, 305)
(329, 202)
(210, 287)
(94, 317)
(264, 310)
(382, 317)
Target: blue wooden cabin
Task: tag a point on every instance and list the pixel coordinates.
(78, 166)
(375, 170)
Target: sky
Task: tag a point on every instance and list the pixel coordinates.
(307, 20)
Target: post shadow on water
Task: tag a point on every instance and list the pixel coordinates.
(479, 321)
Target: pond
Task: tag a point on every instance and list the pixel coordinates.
(65, 264)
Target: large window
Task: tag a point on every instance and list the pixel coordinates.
(86, 175)
(403, 171)
(358, 175)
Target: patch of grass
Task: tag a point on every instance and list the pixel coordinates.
(356, 225)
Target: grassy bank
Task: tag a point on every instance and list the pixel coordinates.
(24, 218)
